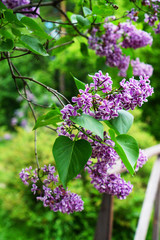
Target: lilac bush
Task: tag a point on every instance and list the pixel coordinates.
(82, 142)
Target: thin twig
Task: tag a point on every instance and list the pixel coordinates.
(53, 129)
(35, 132)
(54, 92)
(21, 49)
(38, 5)
(61, 45)
(58, 22)
(17, 56)
(90, 3)
(44, 4)
(75, 28)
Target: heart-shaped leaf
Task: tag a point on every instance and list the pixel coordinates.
(122, 123)
(70, 157)
(127, 148)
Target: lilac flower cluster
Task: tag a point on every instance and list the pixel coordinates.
(141, 69)
(104, 182)
(100, 101)
(133, 15)
(57, 198)
(15, 3)
(151, 17)
(132, 93)
(115, 38)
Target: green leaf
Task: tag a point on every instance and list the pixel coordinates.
(84, 49)
(70, 157)
(33, 45)
(79, 84)
(90, 123)
(11, 18)
(87, 11)
(52, 117)
(82, 21)
(6, 34)
(122, 123)
(2, 6)
(127, 148)
(35, 28)
(6, 45)
(16, 32)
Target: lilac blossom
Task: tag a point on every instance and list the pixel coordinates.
(112, 184)
(55, 197)
(134, 38)
(142, 159)
(14, 121)
(141, 69)
(115, 38)
(15, 3)
(7, 136)
(133, 15)
(135, 92)
(157, 30)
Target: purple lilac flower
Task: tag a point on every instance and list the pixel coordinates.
(15, 3)
(68, 111)
(7, 136)
(61, 200)
(146, 2)
(133, 15)
(57, 198)
(110, 44)
(19, 113)
(152, 16)
(101, 82)
(134, 93)
(150, 19)
(157, 30)
(25, 175)
(141, 69)
(112, 184)
(23, 123)
(135, 38)
(104, 105)
(14, 121)
(84, 101)
(142, 159)
(34, 188)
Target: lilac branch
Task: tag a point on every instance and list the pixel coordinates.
(44, 4)
(75, 28)
(61, 45)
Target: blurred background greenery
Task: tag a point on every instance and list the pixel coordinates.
(21, 216)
